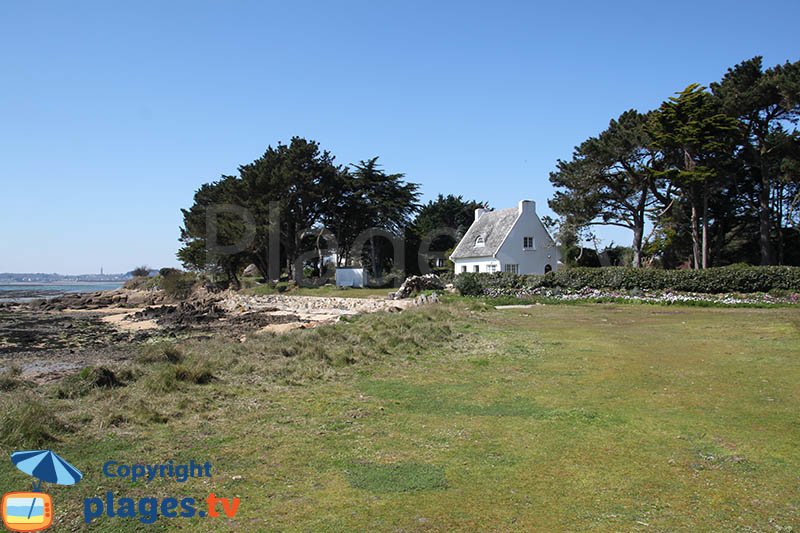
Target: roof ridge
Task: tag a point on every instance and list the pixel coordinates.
(493, 226)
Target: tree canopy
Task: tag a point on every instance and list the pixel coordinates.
(264, 214)
(713, 172)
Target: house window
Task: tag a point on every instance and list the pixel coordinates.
(463, 269)
(527, 243)
(479, 242)
(491, 268)
(514, 269)
(476, 268)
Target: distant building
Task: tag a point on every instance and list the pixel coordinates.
(508, 240)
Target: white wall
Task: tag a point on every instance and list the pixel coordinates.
(482, 263)
(529, 261)
(528, 224)
(351, 277)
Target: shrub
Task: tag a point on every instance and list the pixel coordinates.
(735, 278)
(142, 283)
(141, 272)
(178, 285)
(469, 284)
(445, 274)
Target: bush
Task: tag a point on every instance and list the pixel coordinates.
(178, 285)
(445, 274)
(736, 278)
(469, 284)
(142, 283)
(141, 272)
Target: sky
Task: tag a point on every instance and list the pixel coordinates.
(112, 114)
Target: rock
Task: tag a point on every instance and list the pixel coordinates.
(427, 299)
(251, 271)
(415, 284)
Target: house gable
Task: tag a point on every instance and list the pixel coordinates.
(491, 227)
(510, 239)
(529, 259)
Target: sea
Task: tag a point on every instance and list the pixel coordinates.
(24, 292)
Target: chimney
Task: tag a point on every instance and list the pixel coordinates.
(479, 213)
(527, 206)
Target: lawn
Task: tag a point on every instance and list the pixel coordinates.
(327, 291)
(462, 417)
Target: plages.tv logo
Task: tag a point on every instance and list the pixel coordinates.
(33, 510)
(148, 509)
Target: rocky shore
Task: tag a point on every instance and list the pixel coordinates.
(48, 338)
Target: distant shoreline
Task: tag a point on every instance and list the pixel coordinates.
(58, 283)
(25, 291)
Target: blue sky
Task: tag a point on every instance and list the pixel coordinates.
(113, 114)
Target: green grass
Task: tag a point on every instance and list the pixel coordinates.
(456, 417)
(327, 290)
(398, 477)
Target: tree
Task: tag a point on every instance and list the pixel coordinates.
(281, 202)
(300, 181)
(198, 252)
(377, 200)
(440, 224)
(609, 180)
(696, 141)
(764, 102)
(447, 212)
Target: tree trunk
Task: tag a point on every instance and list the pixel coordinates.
(705, 227)
(638, 234)
(233, 279)
(263, 266)
(779, 222)
(764, 216)
(373, 257)
(695, 236)
(319, 252)
(720, 229)
(638, 226)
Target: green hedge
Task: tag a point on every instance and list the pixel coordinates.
(711, 281)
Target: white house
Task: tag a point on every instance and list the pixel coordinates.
(508, 240)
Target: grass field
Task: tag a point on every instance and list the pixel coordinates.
(326, 291)
(456, 417)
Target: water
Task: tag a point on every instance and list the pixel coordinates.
(21, 292)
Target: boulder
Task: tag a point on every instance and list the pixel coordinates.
(415, 284)
(251, 271)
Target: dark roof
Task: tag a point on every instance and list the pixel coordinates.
(493, 226)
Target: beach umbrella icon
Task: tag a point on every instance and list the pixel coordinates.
(46, 466)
